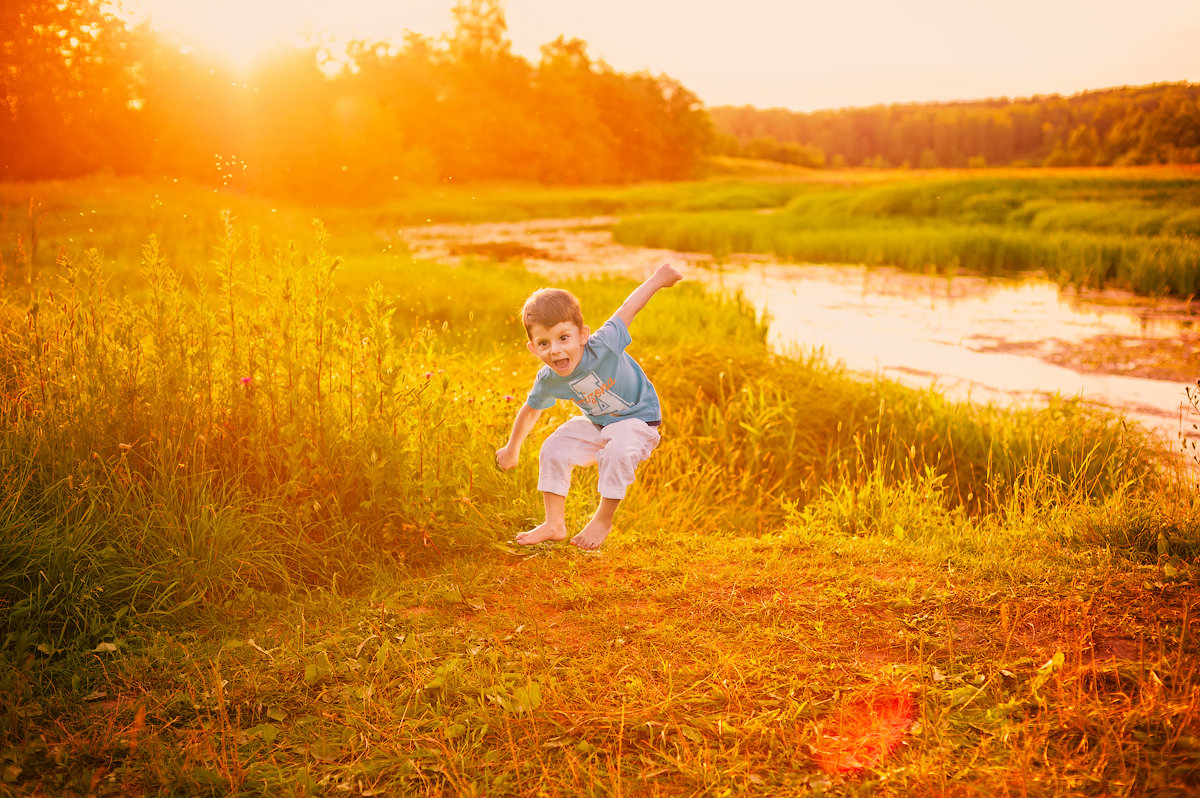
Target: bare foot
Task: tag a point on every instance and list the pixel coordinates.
(592, 535)
(541, 533)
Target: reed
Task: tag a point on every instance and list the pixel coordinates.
(1138, 234)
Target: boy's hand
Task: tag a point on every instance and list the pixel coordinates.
(667, 275)
(506, 459)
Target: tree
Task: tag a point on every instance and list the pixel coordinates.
(190, 111)
(67, 83)
(84, 94)
(578, 146)
(1083, 146)
(1127, 125)
(486, 103)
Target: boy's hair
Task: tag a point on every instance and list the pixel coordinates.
(550, 306)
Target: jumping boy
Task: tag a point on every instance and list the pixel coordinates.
(621, 413)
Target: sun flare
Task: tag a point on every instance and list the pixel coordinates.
(243, 33)
(238, 33)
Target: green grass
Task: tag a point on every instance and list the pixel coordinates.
(1129, 228)
(255, 543)
(1100, 229)
(43, 218)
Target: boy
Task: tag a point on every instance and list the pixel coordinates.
(621, 414)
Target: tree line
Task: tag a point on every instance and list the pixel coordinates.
(1123, 126)
(85, 93)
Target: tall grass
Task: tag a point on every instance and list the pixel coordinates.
(1139, 234)
(261, 430)
(761, 428)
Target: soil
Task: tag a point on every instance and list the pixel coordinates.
(1172, 360)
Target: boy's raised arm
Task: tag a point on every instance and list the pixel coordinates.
(665, 277)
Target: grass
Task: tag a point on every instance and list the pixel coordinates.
(1137, 231)
(671, 665)
(254, 543)
(38, 220)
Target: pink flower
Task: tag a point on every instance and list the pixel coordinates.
(245, 380)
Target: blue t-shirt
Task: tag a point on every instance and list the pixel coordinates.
(608, 384)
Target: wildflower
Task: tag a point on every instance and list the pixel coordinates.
(429, 375)
(507, 398)
(245, 380)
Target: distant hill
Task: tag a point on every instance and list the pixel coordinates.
(1134, 125)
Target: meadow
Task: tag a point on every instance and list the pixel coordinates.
(255, 543)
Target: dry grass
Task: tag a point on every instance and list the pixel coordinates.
(666, 665)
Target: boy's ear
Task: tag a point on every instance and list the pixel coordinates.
(530, 347)
(584, 332)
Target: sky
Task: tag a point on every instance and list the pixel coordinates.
(791, 54)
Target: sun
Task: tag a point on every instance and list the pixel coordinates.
(238, 32)
(242, 32)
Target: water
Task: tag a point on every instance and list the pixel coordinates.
(973, 339)
(1003, 341)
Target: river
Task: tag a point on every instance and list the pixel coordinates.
(998, 340)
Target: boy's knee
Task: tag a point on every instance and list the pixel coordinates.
(565, 451)
(555, 445)
(611, 453)
(551, 456)
(632, 450)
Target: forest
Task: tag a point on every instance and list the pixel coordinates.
(86, 93)
(1126, 126)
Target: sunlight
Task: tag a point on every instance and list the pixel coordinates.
(238, 33)
(900, 57)
(243, 33)
(863, 733)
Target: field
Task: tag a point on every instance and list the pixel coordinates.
(254, 541)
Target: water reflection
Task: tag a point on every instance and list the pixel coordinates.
(972, 338)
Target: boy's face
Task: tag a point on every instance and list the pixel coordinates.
(560, 347)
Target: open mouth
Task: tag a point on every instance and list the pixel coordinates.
(562, 365)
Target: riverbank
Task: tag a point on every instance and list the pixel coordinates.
(1090, 228)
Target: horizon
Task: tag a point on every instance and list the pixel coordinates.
(965, 100)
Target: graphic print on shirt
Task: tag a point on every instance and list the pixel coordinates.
(597, 395)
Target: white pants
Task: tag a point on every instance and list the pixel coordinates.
(616, 449)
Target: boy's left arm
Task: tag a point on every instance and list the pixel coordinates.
(666, 276)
